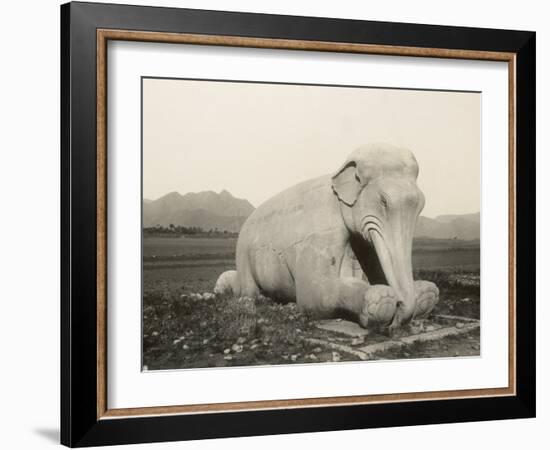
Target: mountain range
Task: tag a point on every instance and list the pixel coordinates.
(210, 210)
(459, 226)
(207, 210)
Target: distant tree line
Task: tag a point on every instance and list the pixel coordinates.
(178, 230)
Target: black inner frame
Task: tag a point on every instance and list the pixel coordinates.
(79, 424)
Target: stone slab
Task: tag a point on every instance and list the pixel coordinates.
(343, 327)
(422, 337)
(457, 318)
(353, 330)
(339, 347)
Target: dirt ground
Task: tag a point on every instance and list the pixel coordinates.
(181, 330)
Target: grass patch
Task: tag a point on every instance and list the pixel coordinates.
(182, 332)
(222, 331)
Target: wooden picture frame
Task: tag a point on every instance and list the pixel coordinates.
(86, 418)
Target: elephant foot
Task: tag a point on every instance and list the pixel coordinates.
(379, 307)
(427, 296)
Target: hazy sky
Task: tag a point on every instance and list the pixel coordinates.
(257, 139)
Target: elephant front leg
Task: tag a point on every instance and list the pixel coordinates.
(427, 296)
(380, 304)
(370, 304)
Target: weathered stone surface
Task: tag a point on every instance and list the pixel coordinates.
(423, 337)
(339, 347)
(227, 283)
(429, 333)
(297, 246)
(456, 318)
(342, 326)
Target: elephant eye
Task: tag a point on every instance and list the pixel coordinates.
(384, 202)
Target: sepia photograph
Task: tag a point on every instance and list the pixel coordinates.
(285, 222)
(299, 224)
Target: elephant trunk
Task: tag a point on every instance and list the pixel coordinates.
(395, 261)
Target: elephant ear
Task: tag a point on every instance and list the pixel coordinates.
(346, 184)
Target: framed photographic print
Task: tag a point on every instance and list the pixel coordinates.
(277, 224)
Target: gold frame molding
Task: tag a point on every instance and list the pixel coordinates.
(103, 36)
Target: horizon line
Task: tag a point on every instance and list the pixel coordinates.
(240, 198)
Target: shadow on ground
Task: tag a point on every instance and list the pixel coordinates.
(49, 434)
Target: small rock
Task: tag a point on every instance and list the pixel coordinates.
(459, 325)
(241, 340)
(228, 357)
(298, 330)
(208, 296)
(226, 351)
(204, 341)
(253, 346)
(358, 340)
(335, 356)
(406, 355)
(237, 348)
(465, 300)
(185, 347)
(312, 356)
(294, 357)
(176, 341)
(155, 333)
(261, 320)
(317, 349)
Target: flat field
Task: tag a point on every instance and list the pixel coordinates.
(183, 332)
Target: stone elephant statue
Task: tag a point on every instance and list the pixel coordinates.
(340, 245)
